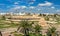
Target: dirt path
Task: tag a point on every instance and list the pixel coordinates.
(42, 22)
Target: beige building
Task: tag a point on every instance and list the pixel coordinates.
(18, 18)
(23, 17)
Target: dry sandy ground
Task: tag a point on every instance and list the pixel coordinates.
(43, 22)
(7, 31)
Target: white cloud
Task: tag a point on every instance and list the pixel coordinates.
(16, 3)
(52, 7)
(39, 9)
(33, 0)
(18, 7)
(58, 10)
(32, 7)
(45, 4)
(31, 3)
(23, 7)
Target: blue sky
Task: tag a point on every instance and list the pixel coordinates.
(35, 6)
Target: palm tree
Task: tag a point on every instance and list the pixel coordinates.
(38, 29)
(25, 26)
(40, 14)
(3, 17)
(51, 31)
(0, 33)
(47, 18)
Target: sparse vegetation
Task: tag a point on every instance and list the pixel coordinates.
(27, 27)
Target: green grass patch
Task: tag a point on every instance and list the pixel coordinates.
(8, 25)
(18, 35)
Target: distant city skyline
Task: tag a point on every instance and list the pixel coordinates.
(31, 6)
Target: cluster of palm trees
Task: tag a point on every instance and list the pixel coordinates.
(36, 29)
(52, 32)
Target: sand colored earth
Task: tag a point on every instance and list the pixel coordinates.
(42, 22)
